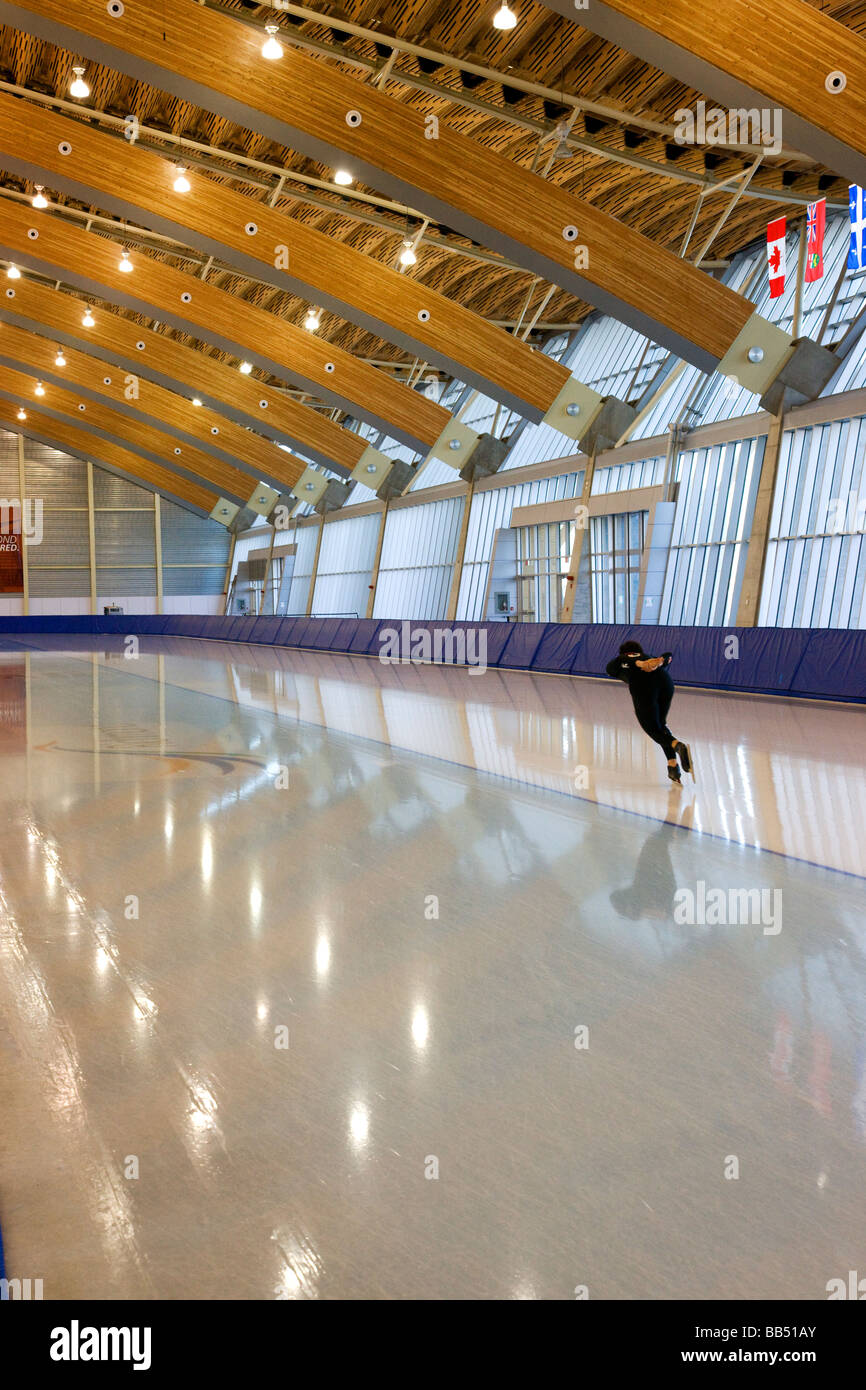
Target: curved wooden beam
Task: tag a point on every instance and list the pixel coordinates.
(153, 406)
(59, 434)
(114, 339)
(211, 60)
(90, 263)
(753, 53)
(134, 183)
(151, 444)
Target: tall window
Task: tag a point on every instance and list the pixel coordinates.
(543, 557)
(616, 547)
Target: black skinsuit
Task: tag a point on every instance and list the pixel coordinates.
(651, 693)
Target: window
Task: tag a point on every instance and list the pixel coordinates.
(616, 548)
(543, 558)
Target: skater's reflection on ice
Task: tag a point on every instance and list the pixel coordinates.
(651, 892)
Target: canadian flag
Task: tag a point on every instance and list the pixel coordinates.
(776, 256)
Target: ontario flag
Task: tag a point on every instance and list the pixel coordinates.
(816, 221)
(776, 256)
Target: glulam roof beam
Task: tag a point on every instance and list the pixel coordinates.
(110, 172)
(80, 443)
(90, 263)
(144, 441)
(784, 55)
(207, 58)
(180, 421)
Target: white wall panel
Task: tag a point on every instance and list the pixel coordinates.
(816, 557)
(305, 537)
(418, 560)
(713, 519)
(345, 565)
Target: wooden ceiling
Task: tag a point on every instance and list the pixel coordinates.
(543, 49)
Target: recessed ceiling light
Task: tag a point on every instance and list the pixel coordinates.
(343, 177)
(39, 198)
(14, 273)
(246, 368)
(181, 183)
(196, 401)
(272, 48)
(78, 86)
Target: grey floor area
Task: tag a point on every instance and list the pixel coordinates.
(289, 1011)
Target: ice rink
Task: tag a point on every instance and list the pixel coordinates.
(326, 979)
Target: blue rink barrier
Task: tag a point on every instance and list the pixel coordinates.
(811, 663)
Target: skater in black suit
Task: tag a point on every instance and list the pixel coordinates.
(652, 690)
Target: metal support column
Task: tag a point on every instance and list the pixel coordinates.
(756, 556)
(91, 536)
(267, 579)
(157, 538)
(22, 493)
(227, 583)
(315, 572)
(377, 560)
(581, 527)
(457, 575)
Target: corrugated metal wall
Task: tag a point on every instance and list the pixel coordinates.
(418, 560)
(194, 549)
(711, 531)
(816, 561)
(345, 565)
(306, 539)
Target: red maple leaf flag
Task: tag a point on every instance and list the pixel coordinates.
(776, 256)
(815, 224)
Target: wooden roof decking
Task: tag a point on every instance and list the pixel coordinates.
(543, 49)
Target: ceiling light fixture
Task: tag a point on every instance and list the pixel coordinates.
(181, 183)
(13, 273)
(60, 360)
(563, 149)
(272, 48)
(125, 263)
(39, 198)
(246, 368)
(504, 18)
(196, 401)
(343, 178)
(39, 389)
(78, 87)
(312, 322)
(89, 321)
(22, 415)
(407, 255)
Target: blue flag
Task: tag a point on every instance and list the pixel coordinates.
(857, 209)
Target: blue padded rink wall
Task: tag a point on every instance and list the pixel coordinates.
(812, 664)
